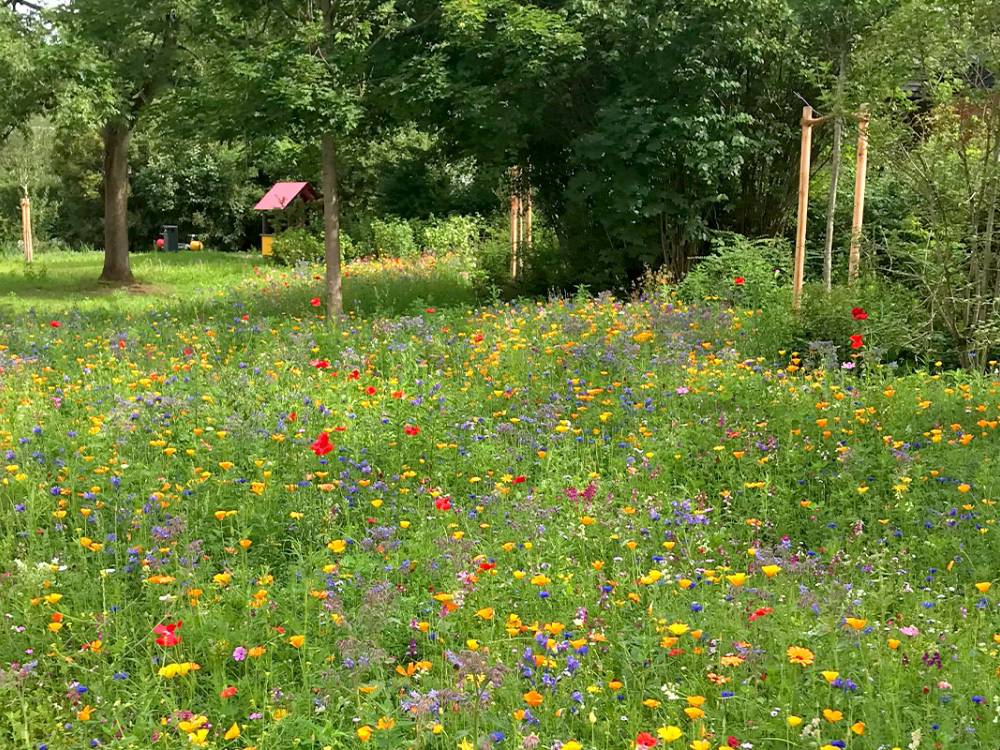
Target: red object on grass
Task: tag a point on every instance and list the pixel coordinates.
(322, 445)
(857, 341)
(739, 281)
(858, 313)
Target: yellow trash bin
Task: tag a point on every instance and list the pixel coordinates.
(267, 245)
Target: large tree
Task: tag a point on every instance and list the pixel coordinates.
(315, 72)
(124, 55)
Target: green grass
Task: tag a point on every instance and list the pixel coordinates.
(571, 523)
(198, 283)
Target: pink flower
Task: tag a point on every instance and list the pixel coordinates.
(910, 630)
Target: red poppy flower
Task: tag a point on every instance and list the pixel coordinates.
(442, 503)
(645, 739)
(858, 313)
(55, 323)
(739, 281)
(762, 612)
(487, 565)
(857, 341)
(167, 635)
(322, 445)
(354, 375)
(370, 390)
(228, 692)
(315, 302)
(293, 416)
(397, 394)
(732, 741)
(411, 430)
(519, 479)
(319, 364)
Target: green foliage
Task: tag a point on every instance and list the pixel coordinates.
(393, 238)
(762, 265)
(898, 327)
(297, 245)
(452, 234)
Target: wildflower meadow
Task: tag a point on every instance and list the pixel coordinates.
(575, 523)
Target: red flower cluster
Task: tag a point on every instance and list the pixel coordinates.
(739, 281)
(322, 445)
(443, 502)
(411, 430)
(645, 739)
(167, 635)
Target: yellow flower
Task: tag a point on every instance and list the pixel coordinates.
(365, 733)
(84, 713)
(771, 570)
(572, 745)
(858, 727)
(737, 579)
(232, 733)
(832, 715)
(793, 721)
(983, 586)
(337, 546)
(830, 675)
(541, 580)
(855, 623)
(297, 640)
(669, 733)
(799, 655)
(694, 713)
(486, 613)
(651, 703)
(677, 628)
(533, 698)
(894, 643)
(699, 745)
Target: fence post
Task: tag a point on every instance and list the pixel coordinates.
(805, 159)
(860, 178)
(26, 235)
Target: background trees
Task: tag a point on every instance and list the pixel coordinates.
(642, 129)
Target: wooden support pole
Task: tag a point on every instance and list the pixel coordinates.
(805, 158)
(528, 217)
(515, 210)
(26, 235)
(860, 178)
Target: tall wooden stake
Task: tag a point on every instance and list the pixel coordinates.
(861, 175)
(515, 227)
(528, 212)
(800, 234)
(26, 236)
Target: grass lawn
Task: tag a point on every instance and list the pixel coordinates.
(579, 523)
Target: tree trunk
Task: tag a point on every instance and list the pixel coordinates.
(116, 261)
(331, 230)
(831, 208)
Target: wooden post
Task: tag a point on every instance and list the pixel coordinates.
(805, 158)
(515, 210)
(528, 215)
(26, 236)
(860, 178)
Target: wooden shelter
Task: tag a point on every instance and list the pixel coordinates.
(287, 200)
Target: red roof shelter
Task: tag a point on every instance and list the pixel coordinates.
(279, 198)
(282, 194)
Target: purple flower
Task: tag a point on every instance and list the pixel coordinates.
(239, 653)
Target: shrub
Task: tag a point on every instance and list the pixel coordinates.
(298, 244)
(394, 238)
(897, 327)
(739, 271)
(453, 234)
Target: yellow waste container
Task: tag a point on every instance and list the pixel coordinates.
(267, 245)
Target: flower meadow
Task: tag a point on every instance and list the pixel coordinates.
(575, 523)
